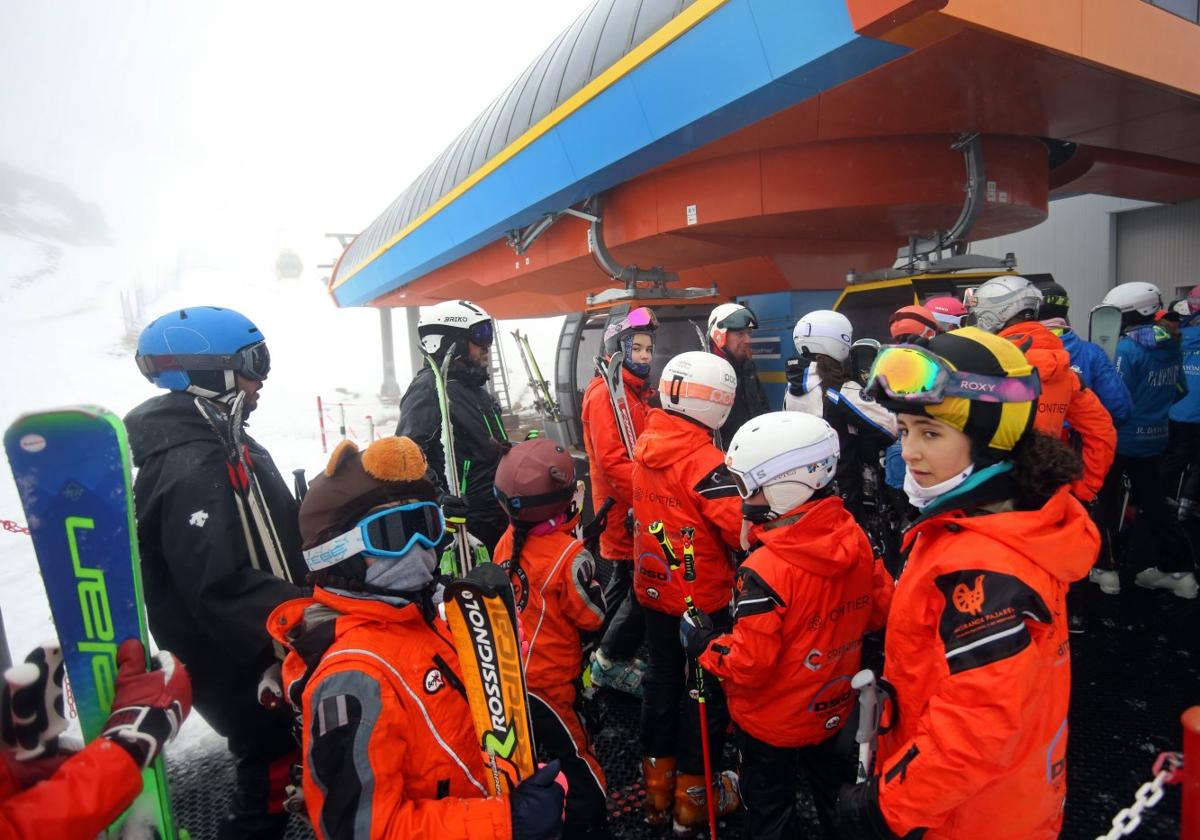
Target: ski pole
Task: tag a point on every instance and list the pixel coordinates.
(869, 709)
(658, 530)
(300, 484)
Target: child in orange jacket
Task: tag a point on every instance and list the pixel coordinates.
(557, 597)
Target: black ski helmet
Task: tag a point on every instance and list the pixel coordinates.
(535, 481)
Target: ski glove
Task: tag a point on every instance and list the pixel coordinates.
(31, 704)
(537, 805)
(794, 370)
(454, 508)
(149, 705)
(696, 631)
(859, 817)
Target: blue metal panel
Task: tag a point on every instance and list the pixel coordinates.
(606, 129)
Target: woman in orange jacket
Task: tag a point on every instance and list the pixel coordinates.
(680, 480)
(611, 463)
(802, 601)
(554, 583)
(389, 746)
(977, 646)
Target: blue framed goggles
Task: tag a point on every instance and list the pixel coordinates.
(386, 533)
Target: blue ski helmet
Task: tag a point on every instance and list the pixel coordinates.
(199, 349)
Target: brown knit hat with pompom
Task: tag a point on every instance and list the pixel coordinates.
(392, 469)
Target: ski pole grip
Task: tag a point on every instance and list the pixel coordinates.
(657, 530)
(868, 703)
(300, 484)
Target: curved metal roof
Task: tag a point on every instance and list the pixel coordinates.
(599, 37)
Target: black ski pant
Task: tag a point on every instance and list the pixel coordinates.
(767, 782)
(670, 715)
(1181, 464)
(261, 741)
(625, 626)
(1156, 538)
(560, 733)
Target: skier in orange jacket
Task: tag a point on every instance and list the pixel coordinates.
(977, 646)
(680, 480)
(554, 583)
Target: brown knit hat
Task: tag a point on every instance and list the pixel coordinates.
(392, 469)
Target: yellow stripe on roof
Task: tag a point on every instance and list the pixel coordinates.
(670, 31)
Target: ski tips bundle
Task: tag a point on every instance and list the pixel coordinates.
(482, 617)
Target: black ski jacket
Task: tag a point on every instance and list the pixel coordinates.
(749, 401)
(479, 441)
(205, 601)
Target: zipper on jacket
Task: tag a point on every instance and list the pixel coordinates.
(901, 767)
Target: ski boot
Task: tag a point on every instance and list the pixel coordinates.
(691, 808)
(660, 789)
(1109, 581)
(1180, 584)
(619, 674)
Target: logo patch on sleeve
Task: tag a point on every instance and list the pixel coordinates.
(985, 617)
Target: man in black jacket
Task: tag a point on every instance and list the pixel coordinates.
(219, 540)
(729, 329)
(465, 331)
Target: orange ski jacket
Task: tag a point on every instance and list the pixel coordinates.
(557, 597)
(1065, 400)
(84, 795)
(978, 652)
(679, 476)
(388, 737)
(611, 469)
(802, 602)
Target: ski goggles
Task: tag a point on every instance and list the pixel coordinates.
(677, 388)
(253, 362)
(482, 333)
(819, 456)
(741, 319)
(911, 374)
(387, 533)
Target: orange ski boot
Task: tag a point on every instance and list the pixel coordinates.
(691, 807)
(660, 788)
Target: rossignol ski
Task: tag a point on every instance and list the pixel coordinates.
(71, 467)
(461, 545)
(482, 614)
(262, 540)
(543, 399)
(610, 372)
(1104, 328)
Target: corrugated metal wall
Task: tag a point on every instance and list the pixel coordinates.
(1160, 245)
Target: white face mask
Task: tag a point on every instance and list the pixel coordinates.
(921, 497)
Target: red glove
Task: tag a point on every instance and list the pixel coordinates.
(149, 706)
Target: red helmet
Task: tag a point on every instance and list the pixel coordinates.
(535, 480)
(948, 311)
(913, 321)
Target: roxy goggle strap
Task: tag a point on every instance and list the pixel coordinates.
(387, 533)
(482, 333)
(911, 374)
(253, 361)
(742, 319)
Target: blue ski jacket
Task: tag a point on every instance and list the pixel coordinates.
(1150, 363)
(1098, 374)
(1187, 410)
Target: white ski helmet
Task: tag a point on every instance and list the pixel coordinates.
(823, 331)
(699, 385)
(450, 321)
(1142, 298)
(729, 316)
(789, 455)
(1003, 298)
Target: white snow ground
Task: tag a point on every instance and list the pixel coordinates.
(64, 342)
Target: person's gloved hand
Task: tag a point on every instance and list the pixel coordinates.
(270, 687)
(149, 705)
(696, 631)
(537, 805)
(794, 370)
(859, 817)
(454, 508)
(31, 704)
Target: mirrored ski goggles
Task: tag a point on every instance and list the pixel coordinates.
(482, 333)
(911, 374)
(387, 533)
(741, 319)
(253, 362)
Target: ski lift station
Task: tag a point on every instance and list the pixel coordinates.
(790, 155)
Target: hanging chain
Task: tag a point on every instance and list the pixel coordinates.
(1167, 770)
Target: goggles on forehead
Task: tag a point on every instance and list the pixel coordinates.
(253, 362)
(387, 533)
(677, 388)
(821, 456)
(911, 374)
(741, 319)
(482, 333)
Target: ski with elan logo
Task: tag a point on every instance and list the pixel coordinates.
(71, 468)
